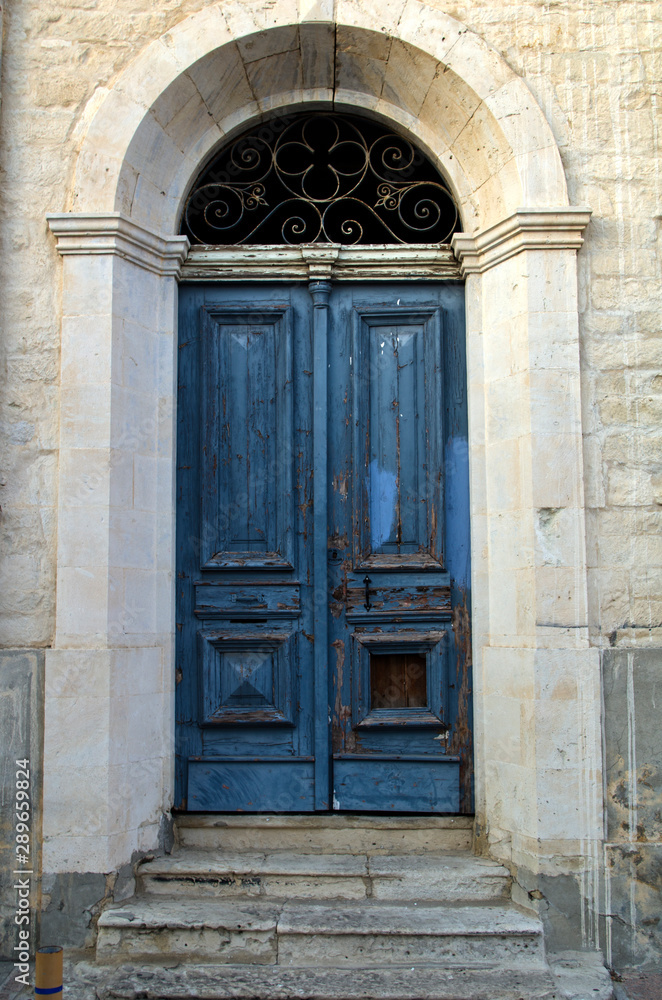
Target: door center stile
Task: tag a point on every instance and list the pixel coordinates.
(320, 292)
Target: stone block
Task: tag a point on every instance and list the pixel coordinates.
(21, 737)
(278, 79)
(337, 834)
(633, 877)
(190, 36)
(222, 82)
(633, 757)
(482, 147)
(447, 106)
(558, 903)
(408, 77)
(82, 602)
(390, 934)
(362, 75)
(225, 932)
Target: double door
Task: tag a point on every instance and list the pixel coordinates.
(323, 606)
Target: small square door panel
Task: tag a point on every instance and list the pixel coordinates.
(400, 679)
(245, 678)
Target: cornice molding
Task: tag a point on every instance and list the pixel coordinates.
(115, 234)
(320, 262)
(526, 229)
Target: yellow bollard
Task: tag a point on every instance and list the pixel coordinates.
(48, 972)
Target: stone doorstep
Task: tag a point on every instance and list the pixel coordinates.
(444, 878)
(330, 820)
(577, 976)
(316, 934)
(331, 833)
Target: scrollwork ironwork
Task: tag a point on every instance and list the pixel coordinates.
(320, 178)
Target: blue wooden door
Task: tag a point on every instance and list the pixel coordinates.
(323, 646)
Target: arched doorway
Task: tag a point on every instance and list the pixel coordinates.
(141, 144)
(323, 600)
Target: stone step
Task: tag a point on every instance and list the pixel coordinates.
(581, 977)
(324, 933)
(312, 935)
(448, 878)
(331, 833)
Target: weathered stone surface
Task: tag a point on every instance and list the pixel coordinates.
(71, 904)
(333, 834)
(444, 877)
(588, 979)
(633, 765)
(300, 933)
(165, 926)
(21, 737)
(633, 751)
(372, 933)
(282, 875)
(579, 974)
(214, 913)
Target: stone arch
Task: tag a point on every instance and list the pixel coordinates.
(228, 65)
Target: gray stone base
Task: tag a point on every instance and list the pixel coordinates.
(21, 737)
(632, 691)
(73, 901)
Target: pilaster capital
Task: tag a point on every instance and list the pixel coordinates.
(115, 234)
(320, 259)
(525, 229)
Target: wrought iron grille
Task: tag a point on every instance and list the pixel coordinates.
(320, 178)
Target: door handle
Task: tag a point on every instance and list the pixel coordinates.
(366, 580)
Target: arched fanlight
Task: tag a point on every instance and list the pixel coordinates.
(319, 178)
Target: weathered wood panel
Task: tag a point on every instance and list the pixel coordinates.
(236, 785)
(398, 784)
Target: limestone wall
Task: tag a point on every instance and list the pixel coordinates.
(594, 69)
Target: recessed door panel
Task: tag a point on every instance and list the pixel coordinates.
(397, 470)
(246, 677)
(247, 399)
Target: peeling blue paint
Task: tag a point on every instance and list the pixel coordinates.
(457, 510)
(383, 488)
